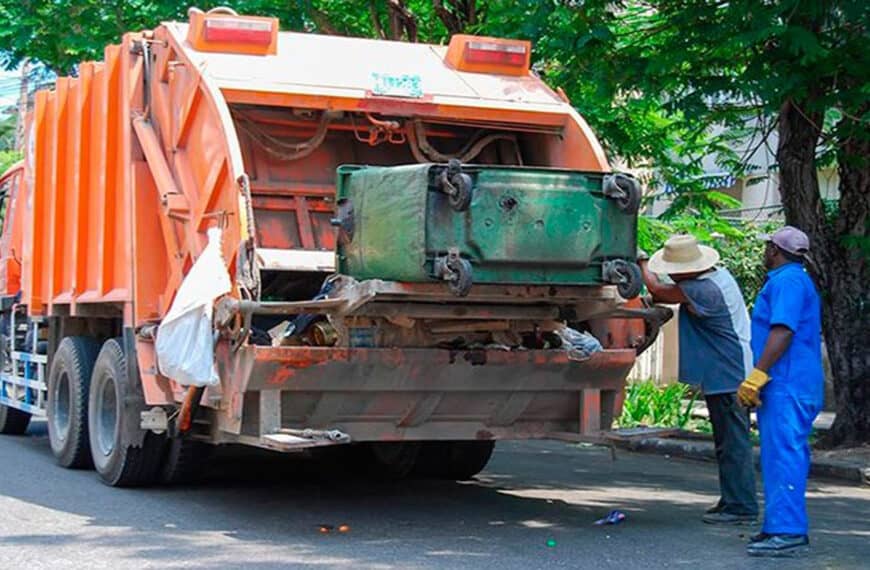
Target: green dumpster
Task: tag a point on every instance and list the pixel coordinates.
(487, 224)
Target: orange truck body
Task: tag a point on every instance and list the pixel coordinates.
(128, 164)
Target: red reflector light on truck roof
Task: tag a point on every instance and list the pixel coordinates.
(489, 55)
(222, 30)
(503, 54)
(238, 31)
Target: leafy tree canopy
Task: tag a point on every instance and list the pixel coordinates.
(666, 85)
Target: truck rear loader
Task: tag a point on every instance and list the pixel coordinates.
(406, 229)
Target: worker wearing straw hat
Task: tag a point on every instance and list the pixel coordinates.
(715, 355)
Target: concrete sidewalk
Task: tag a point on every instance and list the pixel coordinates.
(822, 422)
(850, 464)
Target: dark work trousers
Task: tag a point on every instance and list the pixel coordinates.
(733, 453)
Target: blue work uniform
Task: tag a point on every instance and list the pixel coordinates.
(793, 397)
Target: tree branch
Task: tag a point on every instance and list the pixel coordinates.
(321, 20)
(376, 21)
(448, 18)
(402, 21)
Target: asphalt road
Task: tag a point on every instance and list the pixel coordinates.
(263, 511)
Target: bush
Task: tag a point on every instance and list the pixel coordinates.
(8, 158)
(651, 405)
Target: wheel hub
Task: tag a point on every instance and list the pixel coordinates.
(107, 417)
(62, 403)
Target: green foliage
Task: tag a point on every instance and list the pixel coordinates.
(63, 33)
(741, 250)
(744, 257)
(648, 404)
(8, 124)
(652, 233)
(8, 158)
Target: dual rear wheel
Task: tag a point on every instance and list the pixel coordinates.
(13, 421)
(93, 417)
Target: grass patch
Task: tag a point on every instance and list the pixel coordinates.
(648, 404)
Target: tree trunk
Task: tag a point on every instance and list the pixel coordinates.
(851, 294)
(403, 22)
(459, 15)
(839, 268)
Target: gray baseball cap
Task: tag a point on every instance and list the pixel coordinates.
(790, 239)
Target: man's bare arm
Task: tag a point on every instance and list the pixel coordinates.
(778, 341)
(661, 292)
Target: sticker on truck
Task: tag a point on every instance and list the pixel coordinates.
(405, 85)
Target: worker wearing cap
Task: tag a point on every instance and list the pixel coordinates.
(714, 355)
(786, 386)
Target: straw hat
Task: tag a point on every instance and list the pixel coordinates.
(683, 254)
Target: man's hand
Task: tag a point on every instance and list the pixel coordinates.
(749, 392)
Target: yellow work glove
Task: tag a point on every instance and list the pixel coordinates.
(749, 391)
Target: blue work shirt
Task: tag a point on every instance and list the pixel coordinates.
(714, 333)
(789, 298)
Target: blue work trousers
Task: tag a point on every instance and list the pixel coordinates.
(784, 423)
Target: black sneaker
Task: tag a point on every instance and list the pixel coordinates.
(728, 518)
(780, 545)
(717, 508)
(759, 537)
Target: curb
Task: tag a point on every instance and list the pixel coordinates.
(700, 450)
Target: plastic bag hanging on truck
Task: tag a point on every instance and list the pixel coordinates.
(185, 338)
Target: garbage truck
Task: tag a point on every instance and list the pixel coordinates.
(394, 253)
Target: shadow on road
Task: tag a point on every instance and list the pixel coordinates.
(265, 509)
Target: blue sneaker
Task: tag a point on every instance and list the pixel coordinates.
(780, 545)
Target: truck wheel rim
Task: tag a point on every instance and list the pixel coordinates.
(107, 417)
(61, 406)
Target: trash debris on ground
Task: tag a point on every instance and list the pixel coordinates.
(613, 517)
(328, 528)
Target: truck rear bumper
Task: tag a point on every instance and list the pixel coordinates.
(420, 394)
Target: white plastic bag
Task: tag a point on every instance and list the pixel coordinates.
(185, 338)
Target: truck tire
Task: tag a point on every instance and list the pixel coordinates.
(183, 461)
(13, 421)
(390, 460)
(69, 380)
(119, 462)
(452, 460)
